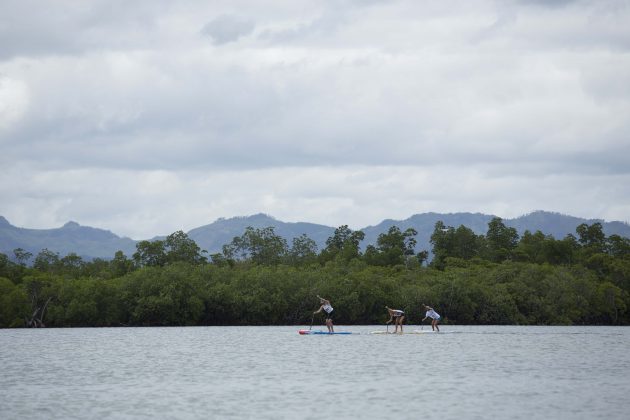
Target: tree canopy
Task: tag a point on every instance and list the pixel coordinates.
(496, 278)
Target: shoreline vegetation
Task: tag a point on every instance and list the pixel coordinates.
(499, 278)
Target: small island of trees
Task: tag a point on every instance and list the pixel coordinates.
(261, 279)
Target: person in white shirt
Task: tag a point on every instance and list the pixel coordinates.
(396, 315)
(328, 309)
(435, 317)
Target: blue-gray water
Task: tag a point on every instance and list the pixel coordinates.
(274, 373)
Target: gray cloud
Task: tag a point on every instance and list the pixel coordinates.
(227, 28)
(355, 101)
(65, 27)
(548, 3)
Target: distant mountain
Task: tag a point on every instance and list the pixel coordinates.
(424, 224)
(560, 225)
(555, 224)
(85, 241)
(212, 237)
(91, 242)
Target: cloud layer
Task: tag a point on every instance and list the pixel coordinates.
(154, 116)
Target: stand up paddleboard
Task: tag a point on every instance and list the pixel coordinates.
(432, 332)
(411, 332)
(309, 332)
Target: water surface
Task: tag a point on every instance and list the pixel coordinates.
(274, 373)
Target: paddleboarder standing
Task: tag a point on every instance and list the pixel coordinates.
(397, 316)
(435, 317)
(328, 309)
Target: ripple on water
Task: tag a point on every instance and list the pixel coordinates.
(272, 372)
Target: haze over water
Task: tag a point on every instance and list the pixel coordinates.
(473, 372)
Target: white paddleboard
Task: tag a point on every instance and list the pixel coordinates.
(411, 332)
(432, 332)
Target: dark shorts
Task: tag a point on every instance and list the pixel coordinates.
(329, 315)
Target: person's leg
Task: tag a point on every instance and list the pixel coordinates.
(433, 325)
(436, 325)
(402, 319)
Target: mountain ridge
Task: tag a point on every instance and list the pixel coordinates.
(90, 242)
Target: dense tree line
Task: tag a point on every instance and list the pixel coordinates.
(261, 279)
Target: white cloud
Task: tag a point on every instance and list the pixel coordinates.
(14, 100)
(129, 118)
(148, 203)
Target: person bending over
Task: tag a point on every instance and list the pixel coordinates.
(435, 317)
(328, 310)
(397, 316)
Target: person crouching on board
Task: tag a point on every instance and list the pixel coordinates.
(435, 317)
(397, 316)
(328, 309)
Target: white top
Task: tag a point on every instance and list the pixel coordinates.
(397, 312)
(327, 308)
(432, 314)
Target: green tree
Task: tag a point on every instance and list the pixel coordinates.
(37, 287)
(343, 244)
(22, 256)
(72, 264)
(611, 302)
(501, 240)
(6, 266)
(150, 254)
(592, 236)
(14, 305)
(540, 248)
(422, 256)
(392, 248)
(466, 244)
(261, 246)
(120, 264)
(163, 296)
(303, 250)
(442, 244)
(448, 242)
(47, 261)
(180, 248)
(618, 246)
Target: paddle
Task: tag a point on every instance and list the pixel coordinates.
(311, 326)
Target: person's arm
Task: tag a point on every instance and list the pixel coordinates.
(322, 300)
(391, 315)
(319, 310)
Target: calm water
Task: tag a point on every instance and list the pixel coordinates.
(274, 373)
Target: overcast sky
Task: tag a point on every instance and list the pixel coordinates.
(147, 117)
